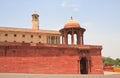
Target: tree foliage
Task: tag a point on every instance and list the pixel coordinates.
(109, 60)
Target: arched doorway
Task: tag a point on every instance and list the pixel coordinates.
(83, 65)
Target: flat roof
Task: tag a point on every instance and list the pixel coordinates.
(29, 30)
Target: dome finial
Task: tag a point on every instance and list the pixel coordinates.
(71, 23)
(71, 18)
(35, 12)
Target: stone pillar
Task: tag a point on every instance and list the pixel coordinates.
(62, 39)
(50, 39)
(65, 38)
(82, 40)
(72, 38)
(47, 39)
(78, 38)
(55, 40)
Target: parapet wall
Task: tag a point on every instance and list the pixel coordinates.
(48, 59)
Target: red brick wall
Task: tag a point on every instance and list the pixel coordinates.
(108, 67)
(46, 59)
(38, 60)
(44, 65)
(96, 61)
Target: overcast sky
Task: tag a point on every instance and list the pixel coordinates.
(101, 18)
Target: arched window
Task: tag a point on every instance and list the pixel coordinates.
(6, 34)
(75, 39)
(15, 35)
(31, 36)
(69, 39)
(60, 39)
(23, 35)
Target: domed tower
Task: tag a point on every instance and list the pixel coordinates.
(35, 21)
(72, 27)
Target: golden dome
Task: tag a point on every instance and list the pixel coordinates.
(72, 24)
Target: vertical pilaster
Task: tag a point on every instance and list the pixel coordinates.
(62, 39)
(72, 37)
(82, 40)
(65, 38)
(78, 37)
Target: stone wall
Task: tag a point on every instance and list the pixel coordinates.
(48, 59)
(96, 61)
(28, 36)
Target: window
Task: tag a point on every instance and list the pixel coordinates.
(5, 40)
(23, 35)
(56, 40)
(31, 42)
(48, 39)
(14, 41)
(52, 39)
(31, 36)
(15, 35)
(6, 34)
(23, 41)
(39, 36)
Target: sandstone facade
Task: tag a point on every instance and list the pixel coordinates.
(40, 51)
(34, 35)
(50, 59)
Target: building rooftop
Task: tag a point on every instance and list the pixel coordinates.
(29, 30)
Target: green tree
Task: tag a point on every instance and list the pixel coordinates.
(108, 60)
(117, 61)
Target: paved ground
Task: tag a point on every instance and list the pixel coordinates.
(109, 73)
(12, 75)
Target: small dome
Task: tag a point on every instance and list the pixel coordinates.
(72, 24)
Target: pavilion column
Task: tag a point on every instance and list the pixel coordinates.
(62, 39)
(55, 40)
(63, 42)
(72, 38)
(66, 38)
(78, 37)
(82, 40)
(49, 39)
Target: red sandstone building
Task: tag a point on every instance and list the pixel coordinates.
(43, 58)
